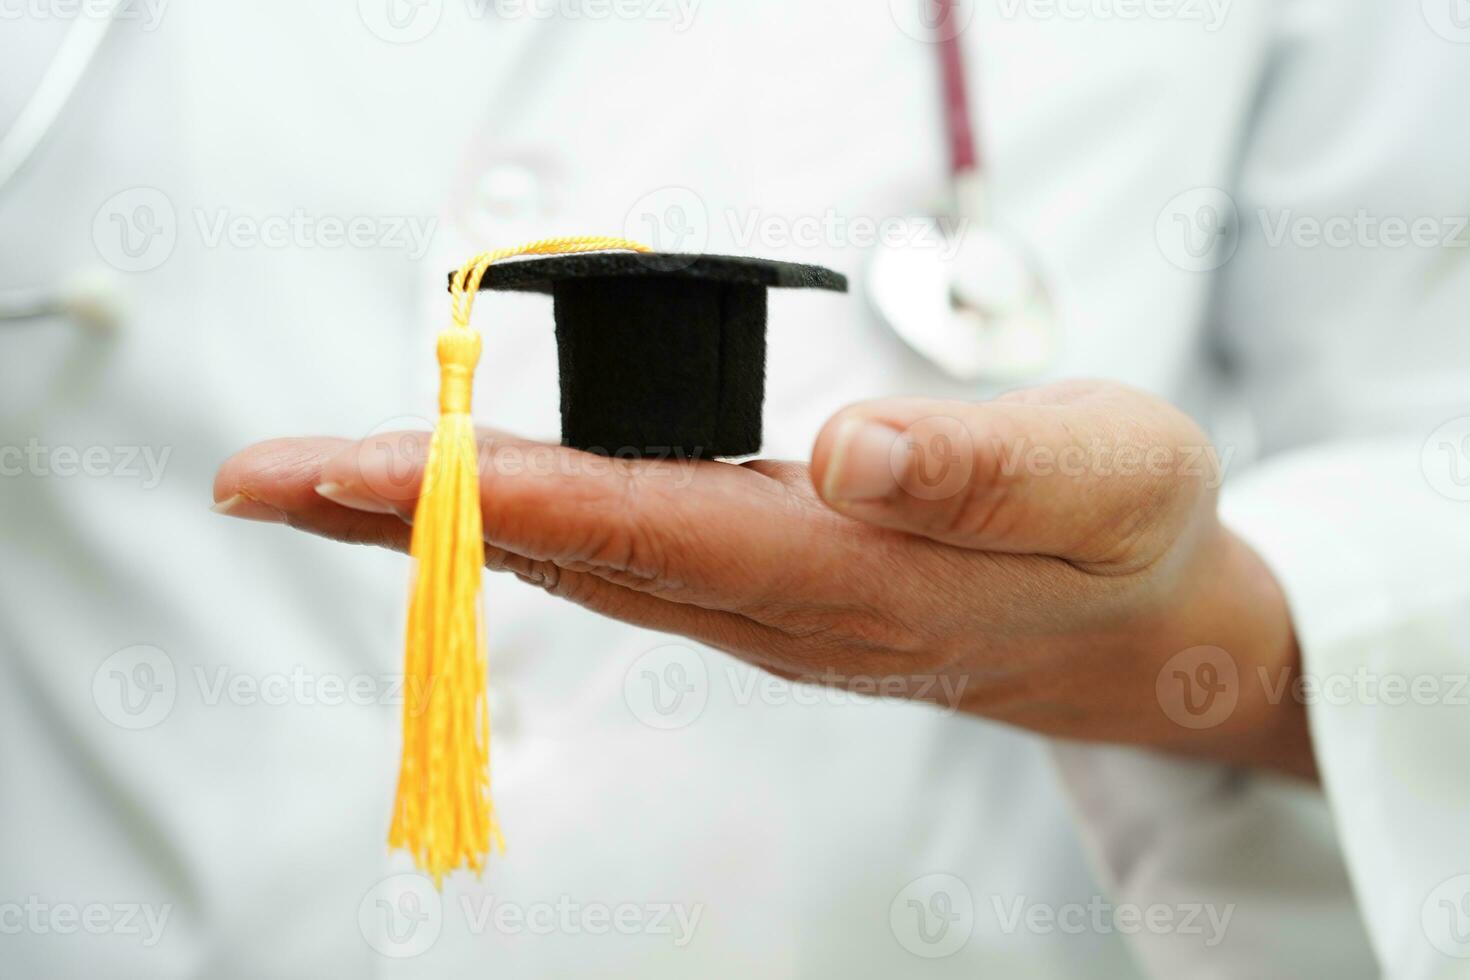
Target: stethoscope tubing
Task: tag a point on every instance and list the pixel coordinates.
(959, 118)
(36, 120)
(57, 86)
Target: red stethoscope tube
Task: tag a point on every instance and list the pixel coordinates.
(964, 157)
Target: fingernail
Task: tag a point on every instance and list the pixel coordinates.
(862, 464)
(247, 508)
(339, 493)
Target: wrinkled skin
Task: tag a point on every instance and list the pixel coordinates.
(1038, 559)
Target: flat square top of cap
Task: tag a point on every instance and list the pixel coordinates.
(541, 274)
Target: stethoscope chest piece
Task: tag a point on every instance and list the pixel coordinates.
(975, 307)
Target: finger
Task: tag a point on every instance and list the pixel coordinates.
(1096, 474)
(281, 481)
(277, 481)
(702, 532)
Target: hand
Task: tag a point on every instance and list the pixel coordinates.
(1038, 559)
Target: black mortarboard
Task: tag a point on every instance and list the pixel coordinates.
(660, 353)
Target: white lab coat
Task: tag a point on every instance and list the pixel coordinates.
(749, 831)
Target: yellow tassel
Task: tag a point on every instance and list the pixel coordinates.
(443, 815)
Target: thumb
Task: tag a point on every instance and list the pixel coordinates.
(1096, 474)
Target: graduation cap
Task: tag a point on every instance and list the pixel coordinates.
(660, 353)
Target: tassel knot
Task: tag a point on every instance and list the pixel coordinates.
(459, 353)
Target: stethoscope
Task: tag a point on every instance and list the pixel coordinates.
(963, 292)
(977, 309)
(92, 296)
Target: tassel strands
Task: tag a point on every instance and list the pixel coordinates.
(443, 814)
